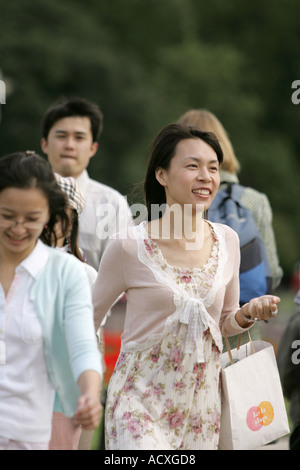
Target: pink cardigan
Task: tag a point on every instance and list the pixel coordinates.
(155, 304)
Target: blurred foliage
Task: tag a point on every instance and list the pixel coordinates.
(146, 62)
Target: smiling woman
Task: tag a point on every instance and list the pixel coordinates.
(47, 339)
(165, 390)
(30, 203)
(190, 180)
(195, 169)
(23, 215)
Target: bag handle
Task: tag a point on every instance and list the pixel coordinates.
(238, 345)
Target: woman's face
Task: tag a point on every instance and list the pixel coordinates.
(23, 215)
(193, 175)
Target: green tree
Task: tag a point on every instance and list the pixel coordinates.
(147, 62)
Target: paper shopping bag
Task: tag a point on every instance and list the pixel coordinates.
(253, 409)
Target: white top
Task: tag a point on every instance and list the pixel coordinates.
(26, 393)
(105, 213)
(92, 276)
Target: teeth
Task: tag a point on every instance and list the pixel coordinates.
(201, 191)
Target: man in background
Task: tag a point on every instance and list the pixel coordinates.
(70, 132)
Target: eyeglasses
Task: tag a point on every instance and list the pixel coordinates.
(9, 223)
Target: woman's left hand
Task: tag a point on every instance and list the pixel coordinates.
(262, 308)
(88, 412)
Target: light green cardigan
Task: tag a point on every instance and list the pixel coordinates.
(62, 297)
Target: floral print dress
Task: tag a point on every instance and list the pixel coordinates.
(167, 395)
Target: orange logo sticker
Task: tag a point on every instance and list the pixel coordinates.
(261, 415)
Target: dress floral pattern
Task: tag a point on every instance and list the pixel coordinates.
(162, 397)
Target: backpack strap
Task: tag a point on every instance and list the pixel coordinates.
(234, 191)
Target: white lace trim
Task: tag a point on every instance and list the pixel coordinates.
(191, 311)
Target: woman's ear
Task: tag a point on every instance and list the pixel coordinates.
(160, 175)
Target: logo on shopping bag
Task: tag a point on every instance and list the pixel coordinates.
(261, 415)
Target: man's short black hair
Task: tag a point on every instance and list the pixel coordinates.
(73, 107)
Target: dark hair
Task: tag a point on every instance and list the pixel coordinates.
(162, 151)
(73, 107)
(73, 238)
(25, 170)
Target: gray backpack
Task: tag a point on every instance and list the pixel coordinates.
(255, 271)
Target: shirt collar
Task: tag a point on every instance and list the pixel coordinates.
(83, 180)
(36, 260)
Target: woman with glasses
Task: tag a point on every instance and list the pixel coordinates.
(48, 350)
